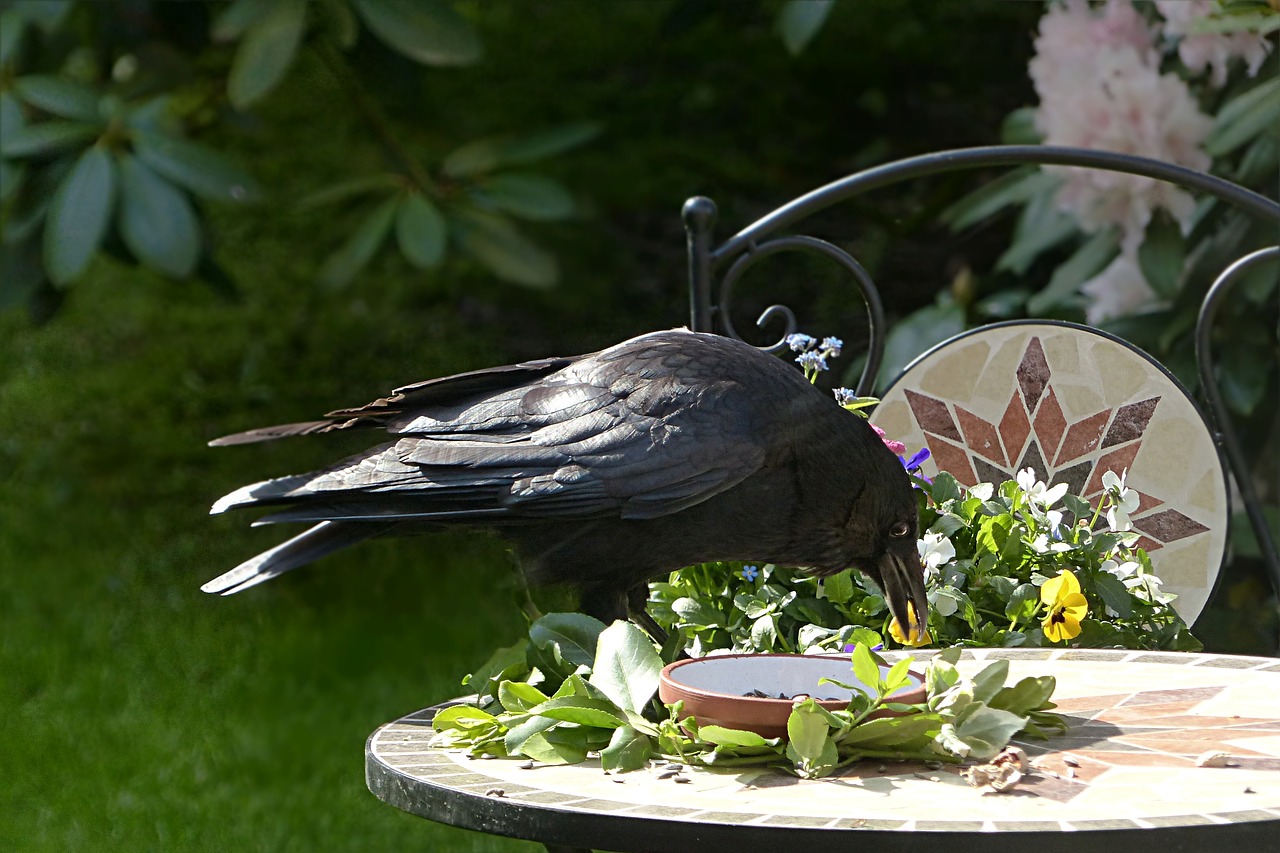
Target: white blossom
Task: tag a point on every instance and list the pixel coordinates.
(1118, 290)
(935, 549)
(1209, 50)
(1039, 494)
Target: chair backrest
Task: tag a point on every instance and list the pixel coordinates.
(1065, 400)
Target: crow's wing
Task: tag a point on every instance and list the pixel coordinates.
(649, 427)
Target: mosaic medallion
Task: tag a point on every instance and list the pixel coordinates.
(1072, 403)
(1127, 775)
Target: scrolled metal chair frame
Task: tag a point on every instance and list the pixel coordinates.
(755, 242)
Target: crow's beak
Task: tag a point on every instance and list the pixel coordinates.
(903, 582)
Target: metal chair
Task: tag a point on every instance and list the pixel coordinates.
(1038, 394)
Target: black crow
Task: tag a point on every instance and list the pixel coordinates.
(609, 469)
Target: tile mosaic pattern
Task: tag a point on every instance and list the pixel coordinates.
(1137, 723)
(1072, 404)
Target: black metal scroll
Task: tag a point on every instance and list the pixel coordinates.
(755, 241)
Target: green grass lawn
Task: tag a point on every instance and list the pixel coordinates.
(140, 713)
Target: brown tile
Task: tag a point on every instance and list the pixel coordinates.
(1033, 460)
(1050, 423)
(1014, 427)
(980, 436)
(1130, 422)
(1188, 743)
(952, 459)
(1141, 759)
(1147, 544)
(1175, 695)
(1033, 373)
(1169, 526)
(1075, 477)
(1117, 460)
(988, 473)
(1146, 502)
(1089, 703)
(1083, 437)
(932, 415)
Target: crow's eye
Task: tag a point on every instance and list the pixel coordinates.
(899, 530)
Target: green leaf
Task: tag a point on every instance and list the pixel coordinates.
(11, 175)
(496, 243)
(48, 138)
(505, 662)
(340, 21)
(156, 220)
(1113, 593)
(1162, 255)
(205, 172)
(344, 190)
(343, 265)
(540, 749)
(485, 155)
(78, 216)
(985, 730)
(238, 17)
(1245, 117)
(1019, 127)
(516, 736)
(461, 718)
(420, 231)
(58, 96)
(800, 20)
(1016, 187)
(626, 666)
(809, 745)
(426, 31)
(12, 25)
(582, 710)
(722, 736)
(1023, 603)
(266, 52)
(838, 587)
(518, 697)
(918, 332)
(1041, 226)
(576, 634)
(865, 666)
(1086, 262)
(1029, 694)
(527, 196)
(628, 749)
(990, 680)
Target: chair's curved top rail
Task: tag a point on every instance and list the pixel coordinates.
(994, 155)
(756, 241)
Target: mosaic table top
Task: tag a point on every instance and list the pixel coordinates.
(1125, 773)
(1072, 403)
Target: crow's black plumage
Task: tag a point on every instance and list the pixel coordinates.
(608, 469)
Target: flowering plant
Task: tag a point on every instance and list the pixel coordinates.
(1014, 564)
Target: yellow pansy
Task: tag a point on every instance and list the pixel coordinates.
(1067, 606)
(919, 633)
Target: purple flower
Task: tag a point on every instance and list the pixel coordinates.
(811, 361)
(913, 464)
(849, 647)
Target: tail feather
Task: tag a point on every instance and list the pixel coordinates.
(325, 538)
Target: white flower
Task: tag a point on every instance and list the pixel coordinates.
(1123, 501)
(1118, 290)
(943, 600)
(1200, 50)
(982, 491)
(1038, 494)
(935, 550)
(1097, 73)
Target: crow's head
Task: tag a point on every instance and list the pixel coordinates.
(897, 570)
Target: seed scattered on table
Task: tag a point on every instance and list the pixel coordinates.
(528, 765)
(495, 792)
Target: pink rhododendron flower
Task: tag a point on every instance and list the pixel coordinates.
(1118, 290)
(1213, 50)
(895, 446)
(1097, 72)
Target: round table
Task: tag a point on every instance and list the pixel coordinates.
(1124, 777)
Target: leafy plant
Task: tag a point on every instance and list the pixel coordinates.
(993, 556)
(98, 150)
(567, 711)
